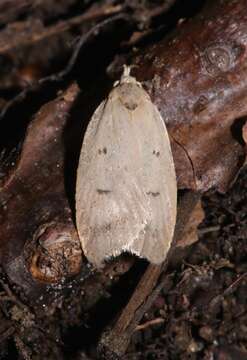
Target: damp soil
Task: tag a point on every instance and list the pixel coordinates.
(201, 312)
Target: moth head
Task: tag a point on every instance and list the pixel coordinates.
(126, 77)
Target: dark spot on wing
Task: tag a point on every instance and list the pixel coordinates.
(130, 105)
(157, 153)
(107, 227)
(104, 151)
(154, 194)
(101, 191)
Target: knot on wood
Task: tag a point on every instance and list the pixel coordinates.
(57, 254)
(217, 58)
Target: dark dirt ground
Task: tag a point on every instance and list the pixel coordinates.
(202, 308)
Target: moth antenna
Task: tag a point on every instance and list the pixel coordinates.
(126, 70)
(126, 77)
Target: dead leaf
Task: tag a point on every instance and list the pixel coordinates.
(190, 234)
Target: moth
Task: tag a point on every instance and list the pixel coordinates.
(126, 190)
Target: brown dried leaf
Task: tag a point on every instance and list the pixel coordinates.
(190, 234)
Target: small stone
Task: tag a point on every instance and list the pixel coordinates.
(206, 333)
(159, 302)
(195, 346)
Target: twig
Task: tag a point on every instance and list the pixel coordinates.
(7, 333)
(159, 10)
(11, 296)
(85, 38)
(208, 229)
(227, 291)
(22, 348)
(149, 323)
(11, 8)
(115, 342)
(60, 27)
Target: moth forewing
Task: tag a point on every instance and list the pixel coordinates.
(126, 191)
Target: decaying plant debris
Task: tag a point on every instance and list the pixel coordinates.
(58, 60)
